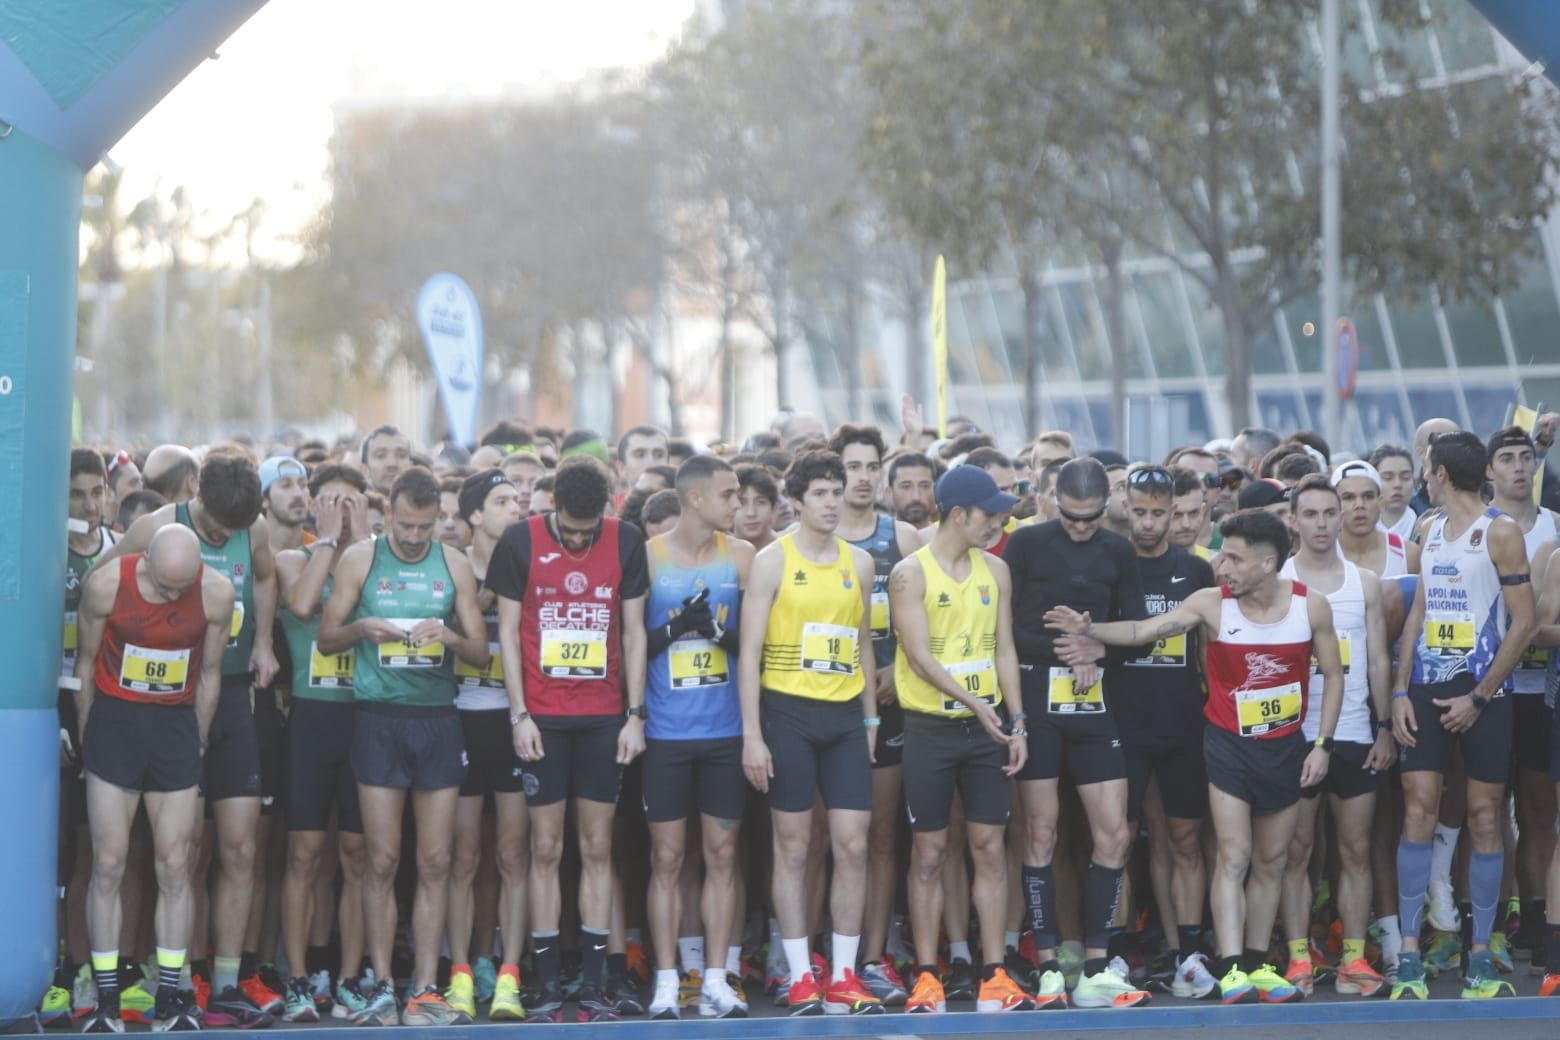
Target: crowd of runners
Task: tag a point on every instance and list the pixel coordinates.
(844, 721)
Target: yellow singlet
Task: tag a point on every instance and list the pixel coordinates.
(961, 620)
(811, 640)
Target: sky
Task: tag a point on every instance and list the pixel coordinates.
(255, 123)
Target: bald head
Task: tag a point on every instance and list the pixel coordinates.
(173, 471)
(1431, 428)
(173, 555)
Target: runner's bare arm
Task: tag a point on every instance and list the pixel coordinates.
(471, 644)
(1508, 552)
(1200, 608)
(97, 600)
(218, 595)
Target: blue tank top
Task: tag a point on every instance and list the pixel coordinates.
(883, 546)
(691, 687)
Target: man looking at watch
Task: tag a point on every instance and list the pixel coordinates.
(1364, 750)
(571, 589)
(1261, 632)
(1471, 621)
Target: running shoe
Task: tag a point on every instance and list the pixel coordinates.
(136, 1004)
(1301, 975)
(960, 984)
(1236, 987)
(1500, 953)
(1550, 987)
(622, 992)
(595, 1006)
(1051, 991)
(847, 996)
(233, 1009)
(1442, 953)
(379, 1006)
(780, 993)
(1192, 978)
(717, 1000)
(1483, 981)
(506, 1005)
(202, 990)
(1020, 969)
(638, 962)
(690, 984)
(1359, 979)
(805, 997)
(427, 1007)
(484, 972)
(267, 972)
(55, 1009)
(349, 1000)
(548, 1005)
(261, 995)
(738, 988)
(460, 996)
(300, 1003)
(104, 1018)
(176, 1012)
(1109, 988)
(883, 982)
(1001, 993)
(319, 989)
(1072, 964)
(83, 992)
(666, 1004)
(1271, 987)
(927, 998)
(1410, 977)
(1441, 906)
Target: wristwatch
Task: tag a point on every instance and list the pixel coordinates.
(515, 720)
(636, 712)
(1384, 726)
(324, 543)
(1325, 743)
(1478, 702)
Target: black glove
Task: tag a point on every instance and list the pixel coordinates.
(694, 617)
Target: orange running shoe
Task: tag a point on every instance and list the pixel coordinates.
(1358, 978)
(1000, 993)
(1301, 975)
(1550, 987)
(638, 963)
(202, 990)
(848, 996)
(806, 997)
(261, 995)
(927, 998)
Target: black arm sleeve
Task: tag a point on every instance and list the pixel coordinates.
(656, 641)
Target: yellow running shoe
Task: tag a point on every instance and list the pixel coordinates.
(461, 996)
(506, 1006)
(55, 1007)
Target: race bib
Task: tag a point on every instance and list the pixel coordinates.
(569, 653)
(1534, 659)
(69, 643)
(1449, 635)
(1265, 711)
(979, 679)
(692, 663)
(828, 648)
(330, 671)
(1064, 698)
(399, 653)
(237, 624)
(879, 613)
(1169, 652)
(154, 671)
(1345, 652)
(489, 678)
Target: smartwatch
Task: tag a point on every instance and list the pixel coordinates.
(636, 712)
(1325, 743)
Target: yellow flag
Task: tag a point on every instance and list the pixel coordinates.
(1527, 418)
(940, 342)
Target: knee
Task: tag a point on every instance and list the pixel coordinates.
(1299, 854)
(1186, 849)
(238, 854)
(793, 853)
(514, 858)
(881, 835)
(1354, 852)
(1111, 843)
(173, 863)
(928, 857)
(1484, 824)
(303, 861)
(721, 860)
(354, 862)
(596, 849)
(108, 866)
(1234, 859)
(433, 866)
(546, 851)
(465, 860)
(666, 860)
(850, 847)
(379, 864)
(1042, 839)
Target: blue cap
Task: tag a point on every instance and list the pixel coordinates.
(278, 466)
(971, 486)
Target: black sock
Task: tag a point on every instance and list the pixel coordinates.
(1222, 965)
(932, 968)
(593, 956)
(617, 965)
(246, 964)
(107, 985)
(1040, 895)
(548, 957)
(202, 968)
(1251, 960)
(1190, 937)
(168, 978)
(988, 971)
(316, 958)
(1116, 943)
(1466, 911)
(1051, 965)
(1552, 946)
(1094, 965)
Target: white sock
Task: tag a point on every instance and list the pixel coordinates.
(844, 949)
(1442, 849)
(734, 960)
(665, 977)
(1391, 938)
(1010, 940)
(960, 951)
(798, 959)
(691, 952)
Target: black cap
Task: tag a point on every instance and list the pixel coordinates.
(1261, 493)
(475, 489)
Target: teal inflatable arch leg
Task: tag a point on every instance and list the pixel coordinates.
(40, 213)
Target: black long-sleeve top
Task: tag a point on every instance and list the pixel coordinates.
(1099, 576)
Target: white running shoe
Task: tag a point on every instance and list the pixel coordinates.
(666, 1002)
(717, 999)
(1441, 906)
(1192, 978)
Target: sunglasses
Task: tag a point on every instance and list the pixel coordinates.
(1081, 518)
(1229, 480)
(1020, 488)
(1150, 478)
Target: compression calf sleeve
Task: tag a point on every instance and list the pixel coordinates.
(1413, 868)
(1484, 870)
(1040, 896)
